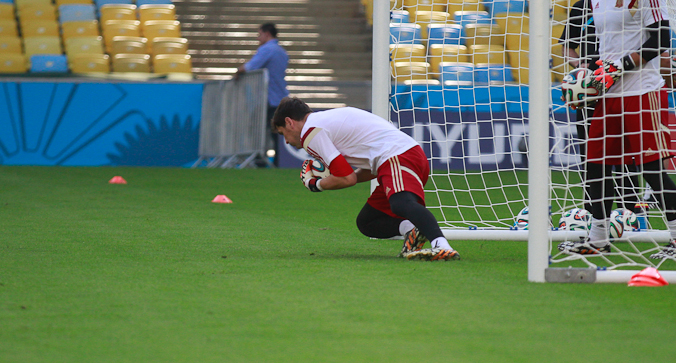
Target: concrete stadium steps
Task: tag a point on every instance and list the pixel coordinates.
(328, 41)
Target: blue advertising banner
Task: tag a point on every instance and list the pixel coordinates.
(95, 124)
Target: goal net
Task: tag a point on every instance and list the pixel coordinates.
(468, 84)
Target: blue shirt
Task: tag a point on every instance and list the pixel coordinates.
(273, 57)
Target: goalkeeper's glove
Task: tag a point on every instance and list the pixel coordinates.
(610, 71)
(307, 177)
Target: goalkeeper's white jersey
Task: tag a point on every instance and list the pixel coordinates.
(621, 26)
(364, 139)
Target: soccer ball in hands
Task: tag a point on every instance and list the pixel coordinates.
(628, 217)
(319, 170)
(576, 87)
(576, 219)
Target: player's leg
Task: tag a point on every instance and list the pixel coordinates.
(376, 224)
(584, 116)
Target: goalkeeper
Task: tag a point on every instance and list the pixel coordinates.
(358, 146)
(626, 125)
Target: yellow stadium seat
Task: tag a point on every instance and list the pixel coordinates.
(7, 11)
(394, 4)
(557, 30)
(156, 12)
(408, 53)
(120, 28)
(459, 5)
(13, 63)
(128, 45)
(161, 28)
(20, 4)
(559, 68)
(8, 28)
(413, 6)
(519, 61)
(424, 18)
(561, 7)
(494, 54)
(131, 63)
(37, 12)
(10, 45)
(89, 63)
(172, 63)
(447, 53)
(39, 28)
(118, 12)
(42, 45)
(80, 29)
(406, 71)
(166, 45)
(84, 45)
(488, 34)
(512, 23)
(71, 2)
(517, 41)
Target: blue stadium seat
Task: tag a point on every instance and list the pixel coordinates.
(456, 72)
(146, 2)
(7, 1)
(403, 33)
(489, 73)
(76, 12)
(399, 16)
(505, 6)
(463, 18)
(444, 34)
(49, 63)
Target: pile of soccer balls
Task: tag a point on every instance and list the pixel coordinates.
(577, 88)
(578, 219)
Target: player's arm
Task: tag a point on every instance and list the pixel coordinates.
(342, 176)
(364, 175)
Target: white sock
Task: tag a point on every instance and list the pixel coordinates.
(599, 231)
(441, 242)
(648, 193)
(672, 228)
(405, 226)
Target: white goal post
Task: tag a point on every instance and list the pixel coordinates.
(495, 146)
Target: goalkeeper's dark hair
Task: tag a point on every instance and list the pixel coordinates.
(291, 107)
(269, 28)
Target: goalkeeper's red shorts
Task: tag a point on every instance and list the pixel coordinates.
(405, 172)
(630, 129)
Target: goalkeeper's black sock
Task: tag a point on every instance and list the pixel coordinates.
(406, 205)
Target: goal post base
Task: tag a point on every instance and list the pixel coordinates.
(590, 275)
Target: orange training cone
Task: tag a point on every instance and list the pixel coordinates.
(648, 277)
(221, 199)
(117, 180)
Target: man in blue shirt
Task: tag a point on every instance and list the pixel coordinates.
(272, 56)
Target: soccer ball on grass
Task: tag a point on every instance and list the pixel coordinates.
(576, 219)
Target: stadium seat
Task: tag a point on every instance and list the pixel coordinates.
(463, 18)
(10, 44)
(161, 28)
(72, 2)
(172, 63)
(42, 45)
(405, 34)
(8, 28)
(487, 54)
(444, 34)
(146, 2)
(517, 41)
(123, 28)
(560, 8)
(488, 34)
(519, 62)
(101, 3)
(118, 12)
(84, 45)
(156, 12)
(76, 12)
(166, 45)
(39, 28)
(447, 53)
(425, 18)
(403, 71)
(89, 63)
(88, 28)
(456, 72)
(413, 6)
(493, 73)
(21, 4)
(12, 63)
(513, 23)
(49, 63)
(128, 45)
(400, 16)
(460, 5)
(37, 12)
(496, 7)
(131, 63)
(408, 53)
(7, 11)
(423, 82)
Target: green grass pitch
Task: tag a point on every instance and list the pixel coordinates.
(152, 271)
